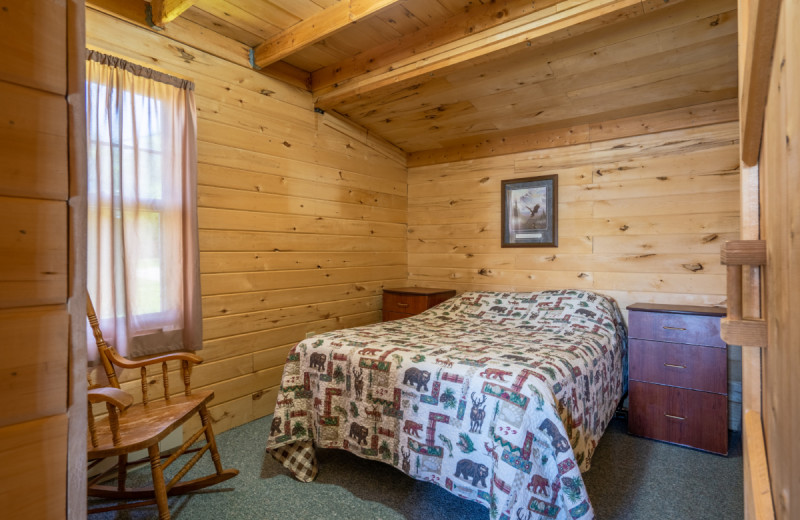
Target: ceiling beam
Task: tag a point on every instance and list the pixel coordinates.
(131, 10)
(759, 42)
(562, 21)
(164, 11)
(475, 18)
(316, 28)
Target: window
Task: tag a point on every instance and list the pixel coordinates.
(142, 225)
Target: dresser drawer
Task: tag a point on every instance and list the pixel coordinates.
(675, 328)
(391, 315)
(687, 366)
(405, 303)
(687, 417)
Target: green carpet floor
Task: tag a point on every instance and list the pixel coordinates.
(631, 478)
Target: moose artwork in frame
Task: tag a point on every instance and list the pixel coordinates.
(530, 212)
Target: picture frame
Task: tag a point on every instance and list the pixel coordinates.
(529, 212)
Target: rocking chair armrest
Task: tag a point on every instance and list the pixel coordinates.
(119, 398)
(172, 356)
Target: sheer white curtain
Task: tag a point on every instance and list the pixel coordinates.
(143, 273)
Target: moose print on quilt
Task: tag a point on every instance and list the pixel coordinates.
(500, 398)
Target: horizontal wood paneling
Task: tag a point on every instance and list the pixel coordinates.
(34, 455)
(33, 384)
(252, 301)
(40, 366)
(33, 143)
(33, 252)
(222, 262)
(303, 220)
(32, 33)
(643, 215)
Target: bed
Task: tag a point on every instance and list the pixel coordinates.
(500, 398)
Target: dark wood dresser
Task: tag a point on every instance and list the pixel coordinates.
(408, 301)
(678, 375)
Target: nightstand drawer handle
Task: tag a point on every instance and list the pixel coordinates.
(674, 417)
(674, 366)
(673, 328)
(402, 304)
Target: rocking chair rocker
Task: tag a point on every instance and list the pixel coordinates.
(132, 427)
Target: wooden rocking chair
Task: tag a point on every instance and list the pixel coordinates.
(132, 427)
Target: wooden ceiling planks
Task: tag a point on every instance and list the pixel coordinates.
(237, 20)
(221, 26)
(468, 21)
(281, 16)
(432, 75)
(540, 28)
(688, 63)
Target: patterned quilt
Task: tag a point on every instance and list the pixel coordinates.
(500, 398)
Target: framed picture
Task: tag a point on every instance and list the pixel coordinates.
(530, 212)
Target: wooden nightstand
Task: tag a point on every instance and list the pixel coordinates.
(408, 301)
(678, 375)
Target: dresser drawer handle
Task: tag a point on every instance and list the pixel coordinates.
(673, 328)
(674, 366)
(402, 304)
(674, 417)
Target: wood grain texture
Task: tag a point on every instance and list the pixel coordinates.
(473, 18)
(33, 143)
(759, 496)
(744, 252)
(127, 428)
(521, 140)
(747, 333)
(34, 456)
(164, 11)
(182, 30)
(315, 28)
(762, 21)
(698, 310)
(32, 31)
(642, 216)
(678, 388)
(302, 216)
(33, 252)
(76, 110)
(779, 175)
(458, 77)
(34, 364)
(678, 415)
(551, 89)
(675, 328)
(40, 259)
(408, 301)
(141, 426)
(555, 26)
(684, 366)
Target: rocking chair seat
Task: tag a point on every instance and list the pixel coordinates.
(129, 428)
(143, 425)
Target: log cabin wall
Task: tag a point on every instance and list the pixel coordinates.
(302, 217)
(640, 219)
(42, 366)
